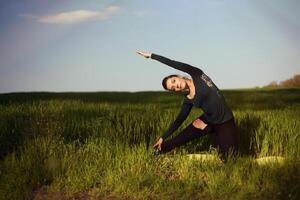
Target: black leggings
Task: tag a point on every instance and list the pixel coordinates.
(224, 135)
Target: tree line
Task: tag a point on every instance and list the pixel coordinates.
(293, 82)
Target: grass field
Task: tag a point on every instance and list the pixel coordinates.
(100, 144)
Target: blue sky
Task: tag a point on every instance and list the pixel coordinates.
(75, 45)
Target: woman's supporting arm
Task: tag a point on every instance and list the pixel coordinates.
(175, 64)
(184, 112)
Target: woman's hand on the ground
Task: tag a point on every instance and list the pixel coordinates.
(157, 145)
(145, 54)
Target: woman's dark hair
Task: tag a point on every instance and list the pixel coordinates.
(164, 81)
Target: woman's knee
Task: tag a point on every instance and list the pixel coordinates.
(199, 124)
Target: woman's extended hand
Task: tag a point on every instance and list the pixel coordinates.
(145, 54)
(157, 145)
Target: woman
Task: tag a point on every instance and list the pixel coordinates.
(217, 119)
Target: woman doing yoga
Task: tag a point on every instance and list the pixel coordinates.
(217, 120)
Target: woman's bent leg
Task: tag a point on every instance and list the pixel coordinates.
(226, 137)
(186, 135)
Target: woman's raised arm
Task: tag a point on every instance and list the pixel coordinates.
(172, 63)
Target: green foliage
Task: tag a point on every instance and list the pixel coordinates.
(101, 143)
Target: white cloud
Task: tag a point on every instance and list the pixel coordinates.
(73, 17)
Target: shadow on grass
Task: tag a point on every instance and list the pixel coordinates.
(14, 130)
(247, 127)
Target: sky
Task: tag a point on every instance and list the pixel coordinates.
(76, 45)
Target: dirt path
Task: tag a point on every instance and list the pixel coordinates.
(42, 194)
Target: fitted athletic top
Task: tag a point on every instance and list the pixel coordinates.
(207, 97)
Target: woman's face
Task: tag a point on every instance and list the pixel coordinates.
(176, 84)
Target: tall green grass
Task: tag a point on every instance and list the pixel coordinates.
(101, 143)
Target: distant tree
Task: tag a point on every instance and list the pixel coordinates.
(293, 82)
(272, 85)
